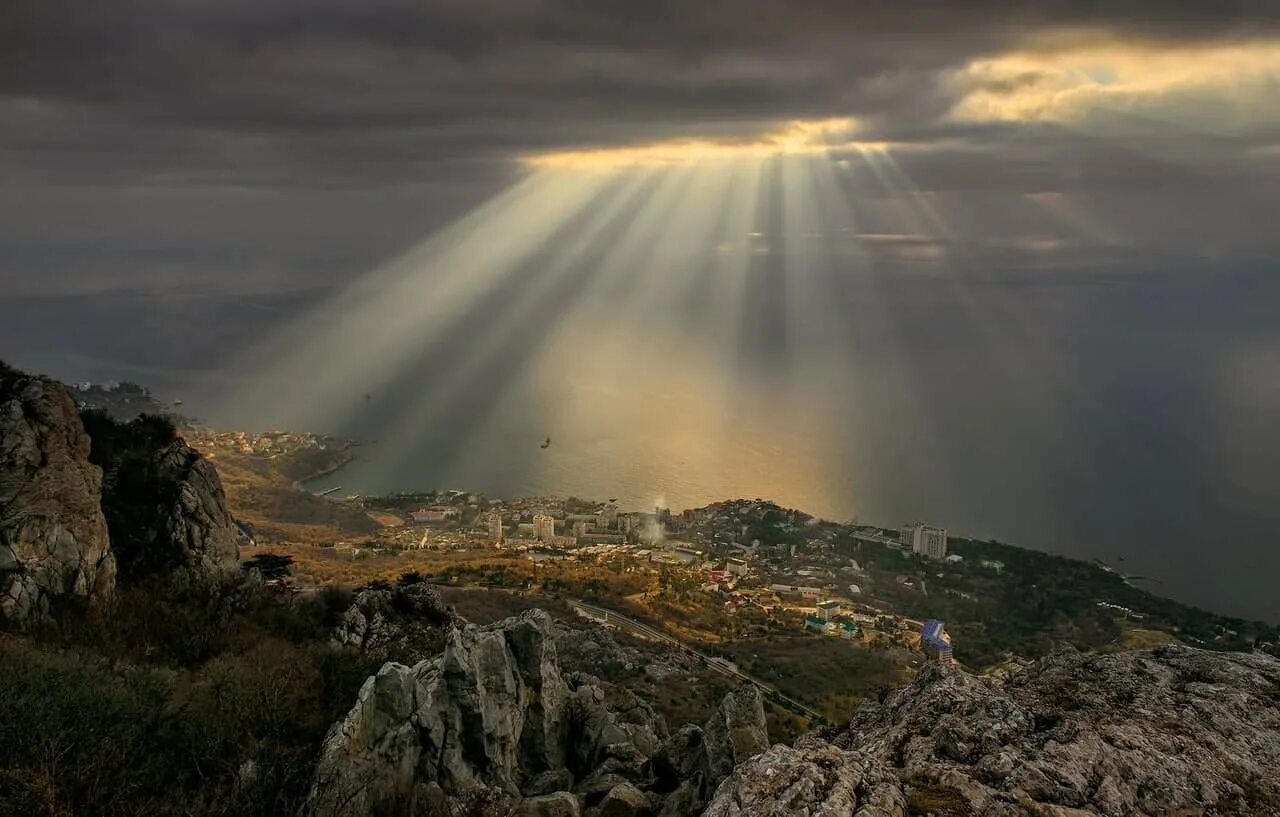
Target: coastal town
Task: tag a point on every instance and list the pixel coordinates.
(753, 557)
(751, 586)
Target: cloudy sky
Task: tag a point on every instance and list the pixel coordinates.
(1007, 265)
(262, 144)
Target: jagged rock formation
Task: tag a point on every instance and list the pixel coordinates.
(164, 505)
(1170, 731)
(491, 710)
(494, 710)
(195, 522)
(404, 622)
(694, 761)
(53, 537)
(85, 500)
(815, 779)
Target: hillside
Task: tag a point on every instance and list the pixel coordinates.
(148, 672)
(263, 490)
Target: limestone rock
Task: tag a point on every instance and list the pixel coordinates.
(590, 647)
(735, 732)
(489, 710)
(1169, 731)
(625, 800)
(690, 764)
(404, 623)
(196, 523)
(817, 780)
(556, 804)
(600, 733)
(53, 536)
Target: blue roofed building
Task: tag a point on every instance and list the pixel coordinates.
(935, 642)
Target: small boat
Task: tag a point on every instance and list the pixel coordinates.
(546, 443)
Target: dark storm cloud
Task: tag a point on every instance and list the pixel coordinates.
(341, 89)
(244, 129)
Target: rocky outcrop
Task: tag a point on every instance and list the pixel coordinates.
(693, 761)
(558, 804)
(53, 536)
(735, 732)
(817, 780)
(405, 622)
(1170, 731)
(195, 522)
(491, 710)
(611, 729)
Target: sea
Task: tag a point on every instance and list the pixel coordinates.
(1129, 418)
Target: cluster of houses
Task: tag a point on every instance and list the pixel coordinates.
(832, 619)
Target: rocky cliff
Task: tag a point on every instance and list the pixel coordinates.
(53, 536)
(192, 519)
(85, 501)
(164, 505)
(493, 712)
(1175, 731)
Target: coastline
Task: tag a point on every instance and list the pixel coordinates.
(346, 459)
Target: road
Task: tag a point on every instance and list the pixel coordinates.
(717, 664)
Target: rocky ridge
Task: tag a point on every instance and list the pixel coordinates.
(494, 712)
(1174, 731)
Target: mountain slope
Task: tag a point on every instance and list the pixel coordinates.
(1170, 731)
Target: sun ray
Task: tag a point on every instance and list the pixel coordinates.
(357, 342)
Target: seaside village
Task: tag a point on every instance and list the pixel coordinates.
(729, 550)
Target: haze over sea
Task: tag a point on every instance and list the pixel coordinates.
(1127, 416)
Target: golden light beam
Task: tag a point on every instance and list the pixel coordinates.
(360, 340)
(491, 338)
(789, 138)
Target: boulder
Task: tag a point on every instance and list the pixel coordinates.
(195, 522)
(557, 804)
(404, 623)
(625, 800)
(54, 544)
(552, 780)
(592, 790)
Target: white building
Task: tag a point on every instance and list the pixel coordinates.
(828, 610)
(544, 527)
(737, 567)
(924, 540)
(495, 527)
